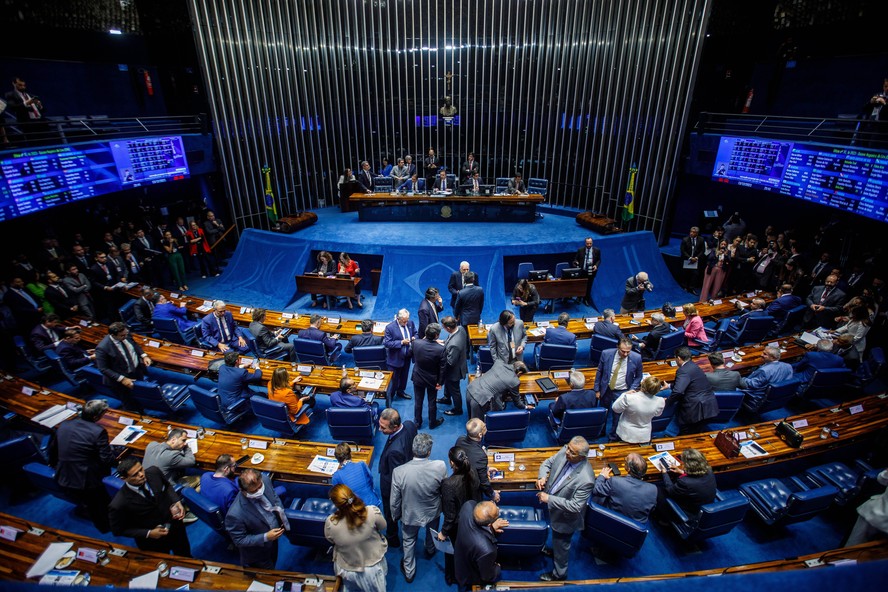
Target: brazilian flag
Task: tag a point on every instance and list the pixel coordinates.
(270, 205)
(629, 198)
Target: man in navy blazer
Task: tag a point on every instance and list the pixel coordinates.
(220, 331)
(469, 301)
(559, 335)
(428, 375)
(607, 327)
(234, 380)
(397, 339)
(413, 185)
(313, 333)
(577, 398)
(629, 495)
(692, 393)
(785, 302)
(121, 361)
(365, 338)
(48, 334)
(619, 370)
(256, 520)
(73, 356)
(429, 308)
(397, 451)
(819, 359)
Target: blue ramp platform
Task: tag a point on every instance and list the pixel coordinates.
(415, 256)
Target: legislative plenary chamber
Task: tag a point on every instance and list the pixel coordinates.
(367, 296)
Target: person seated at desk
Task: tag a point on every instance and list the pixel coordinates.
(234, 381)
(472, 185)
(694, 332)
(219, 486)
(280, 388)
(629, 495)
(691, 487)
(579, 397)
(441, 183)
(772, 371)
(559, 335)
(267, 339)
(607, 326)
(313, 333)
(324, 268)
(347, 396)
(47, 334)
(355, 475)
(220, 331)
(650, 342)
(413, 185)
(721, 378)
(365, 338)
(516, 186)
(349, 266)
(164, 309)
(70, 351)
(785, 302)
(756, 309)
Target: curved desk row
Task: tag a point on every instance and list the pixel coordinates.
(18, 556)
(287, 460)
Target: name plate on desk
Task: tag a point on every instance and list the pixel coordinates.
(855, 409)
(27, 390)
(152, 343)
(174, 295)
(9, 533)
(260, 444)
(286, 315)
(183, 574)
(303, 369)
(87, 554)
(561, 374)
(127, 421)
(662, 446)
(333, 320)
(331, 452)
(750, 294)
(197, 353)
(800, 423)
(543, 324)
(592, 319)
(367, 374)
(503, 456)
(716, 302)
(637, 315)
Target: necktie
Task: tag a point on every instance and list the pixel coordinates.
(435, 311)
(475, 186)
(128, 355)
(144, 241)
(146, 493)
(60, 289)
(443, 184)
(588, 258)
(825, 295)
(818, 268)
(561, 476)
(105, 269)
(511, 344)
(223, 329)
(27, 297)
(135, 264)
(613, 381)
(150, 305)
(693, 245)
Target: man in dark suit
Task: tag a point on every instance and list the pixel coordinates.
(559, 335)
(785, 302)
(145, 249)
(629, 495)
(148, 509)
(72, 355)
(692, 393)
(63, 302)
(469, 302)
(607, 326)
(588, 259)
(456, 348)
(456, 282)
(365, 338)
(313, 333)
(143, 308)
(720, 377)
(692, 249)
(442, 183)
(234, 379)
(824, 304)
(471, 442)
(24, 307)
(577, 398)
(397, 451)
(489, 391)
(104, 275)
(265, 338)
(428, 375)
(742, 262)
(47, 334)
(121, 360)
(365, 177)
(516, 186)
(820, 359)
(256, 520)
(469, 168)
(80, 258)
(220, 331)
(633, 294)
(81, 456)
(413, 185)
(27, 108)
(650, 342)
(429, 308)
(397, 339)
(619, 370)
(821, 269)
(475, 551)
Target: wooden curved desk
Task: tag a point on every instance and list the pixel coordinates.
(17, 558)
(287, 460)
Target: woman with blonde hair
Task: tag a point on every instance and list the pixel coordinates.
(358, 545)
(695, 333)
(637, 409)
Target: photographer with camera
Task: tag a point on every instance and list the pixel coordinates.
(636, 286)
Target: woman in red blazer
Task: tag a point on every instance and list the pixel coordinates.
(350, 266)
(199, 251)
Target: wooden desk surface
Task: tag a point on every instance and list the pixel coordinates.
(871, 551)
(18, 556)
(286, 459)
(628, 324)
(851, 428)
(433, 198)
(181, 358)
(326, 285)
(561, 288)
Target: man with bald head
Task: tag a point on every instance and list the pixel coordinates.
(220, 331)
(475, 549)
(633, 296)
(824, 304)
(629, 495)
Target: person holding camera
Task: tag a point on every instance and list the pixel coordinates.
(636, 286)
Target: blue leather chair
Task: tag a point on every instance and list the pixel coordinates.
(598, 345)
(612, 531)
(527, 532)
(59, 366)
(351, 424)
(729, 403)
(128, 316)
(668, 344)
(502, 184)
(38, 363)
(829, 382)
(273, 353)
(485, 359)
(560, 267)
(21, 450)
(95, 380)
(506, 426)
(869, 370)
(164, 376)
(42, 477)
(169, 329)
(382, 184)
(775, 500)
(588, 423)
(537, 185)
(112, 484)
(753, 330)
(524, 270)
(847, 481)
(659, 424)
(791, 322)
(552, 356)
(199, 336)
(307, 519)
(311, 352)
(370, 356)
(167, 398)
(206, 511)
(209, 405)
(275, 416)
(716, 518)
(776, 396)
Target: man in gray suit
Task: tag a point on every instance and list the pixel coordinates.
(456, 347)
(487, 392)
(630, 496)
(256, 520)
(565, 482)
(416, 500)
(721, 378)
(507, 338)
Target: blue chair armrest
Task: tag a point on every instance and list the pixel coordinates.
(802, 486)
(676, 510)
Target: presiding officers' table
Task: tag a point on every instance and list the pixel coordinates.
(421, 207)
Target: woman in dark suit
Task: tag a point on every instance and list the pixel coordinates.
(457, 489)
(691, 487)
(527, 299)
(325, 267)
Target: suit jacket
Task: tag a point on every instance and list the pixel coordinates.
(101, 279)
(80, 453)
(365, 178)
(607, 329)
(689, 250)
(246, 525)
(132, 515)
(428, 315)
(652, 340)
(559, 335)
(362, 340)
(724, 380)
(567, 499)
(833, 306)
(112, 364)
(498, 341)
(42, 340)
(454, 285)
(450, 184)
(468, 169)
(693, 394)
(61, 299)
(690, 492)
(469, 304)
(628, 496)
(72, 356)
(398, 450)
(396, 353)
(143, 312)
(475, 551)
(456, 347)
(416, 491)
(428, 363)
(26, 314)
(265, 339)
(478, 457)
(516, 186)
(633, 299)
(576, 399)
(210, 328)
(779, 307)
(314, 334)
(79, 286)
(409, 187)
(605, 365)
(233, 384)
(812, 361)
(499, 380)
(173, 312)
(580, 259)
(769, 373)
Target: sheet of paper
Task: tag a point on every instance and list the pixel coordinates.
(48, 559)
(369, 384)
(751, 449)
(257, 586)
(145, 582)
(665, 456)
(323, 464)
(124, 437)
(58, 418)
(444, 546)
